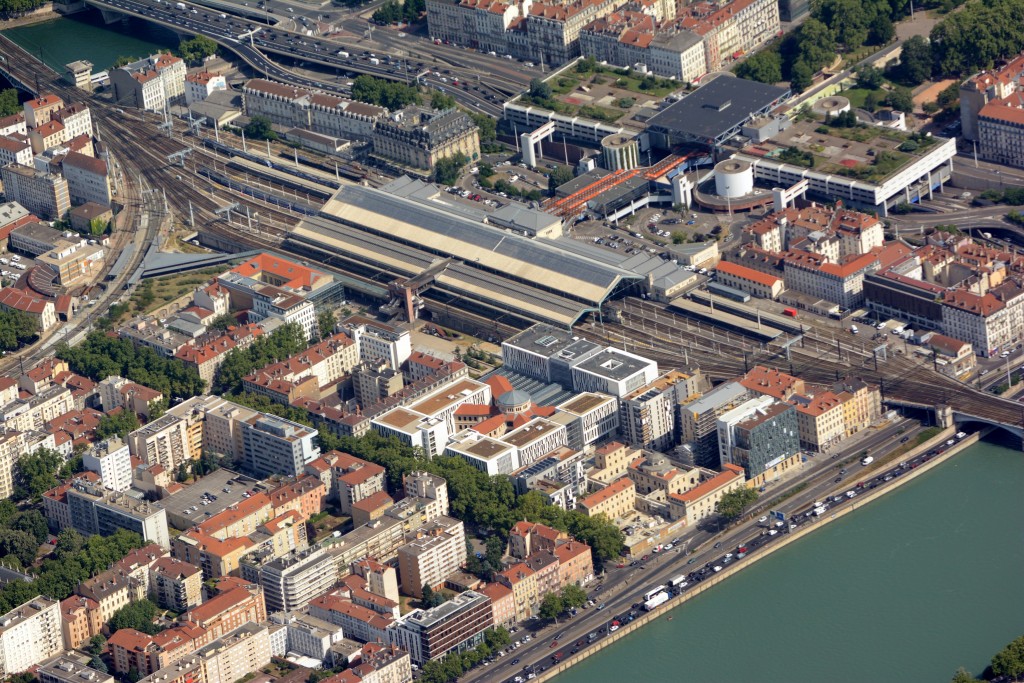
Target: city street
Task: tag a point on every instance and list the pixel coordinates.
(619, 589)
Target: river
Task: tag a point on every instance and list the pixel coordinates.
(906, 590)
(85, 36)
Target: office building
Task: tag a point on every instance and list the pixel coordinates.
(760, 435)
(456, 626)
(379, 341)
(70, 669)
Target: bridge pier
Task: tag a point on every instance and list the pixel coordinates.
(943, 416)
(112, 17)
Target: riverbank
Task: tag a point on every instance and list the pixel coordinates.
(44, 13)
(845, 508)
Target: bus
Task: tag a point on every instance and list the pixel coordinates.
(654, 591)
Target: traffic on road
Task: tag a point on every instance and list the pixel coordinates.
(767, 529)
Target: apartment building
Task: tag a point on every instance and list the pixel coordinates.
(176, 585)
(701, 501)
(989, 322)
(30, 634)
(990, 87)
(237, 603)
(174, 438)
(76, 119)
(732, 29)
(433, 552)
(15, 150)
(96, 510)
(200, 84)
(87, 179)
(647, 416)
(32, 413)
(41, 109)
(311, 110)
(614, 501)
(419, 137)
(47, 136)
(111, 460)
(291, 582)
(80, 621)
(43, 193)
(349, 479)
(841, 284)
(235, 655)
(629, 38)
(207, 354)
(112, 590)
(588, 417)
(326, 362)
(273, 445)
(150, 84)
(380, 341)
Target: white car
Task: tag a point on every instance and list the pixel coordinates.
(718, 568)
(763, 519)
(772, 532)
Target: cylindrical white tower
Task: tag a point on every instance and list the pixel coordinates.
(733, 178)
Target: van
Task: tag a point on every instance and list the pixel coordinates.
(854, 330)
(223, 16)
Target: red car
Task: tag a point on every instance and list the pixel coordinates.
(554, 643)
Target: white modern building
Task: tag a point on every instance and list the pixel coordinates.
(111, 460)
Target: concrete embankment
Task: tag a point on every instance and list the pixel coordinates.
(834, 513)
(36, 16)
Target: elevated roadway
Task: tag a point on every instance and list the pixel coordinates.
(483, 93)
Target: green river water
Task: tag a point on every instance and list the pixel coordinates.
(907, 589)
(85, 36)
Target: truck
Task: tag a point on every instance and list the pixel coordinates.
(180, 5)
(899, 329)
(374, 61)
(656, 601)
(819, 511)
(678, 580)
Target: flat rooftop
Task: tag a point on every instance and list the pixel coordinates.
(584, 403)
(212, 484)
(613, 364)
(717, 107)
(549, 341)
(444, 398)
(868, 153)
(528, 433)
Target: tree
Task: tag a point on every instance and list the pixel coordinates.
(732, 504)
(117, 425)
(900, 99)
(326, 322)
(551, 607)
(873, 101)
(387, 94)
(915, 65)
(122, 61)
(17, 329)
(764, 66)
(881, 31)
(816, 47)
(388, 13)
(847, 19)
(283, 342)
(962, 675)
(1010, 660)
(197, 49)
(260, 128)
(447, 170)
(138, 615)
(497, 637)
(573, 596)
(33, 523)
(559, 176)
(539, 90)
(97, 644)
(802, 76)
(9, 104)
(487, 125)
(439, 100)
(98, 664)
(35, 473)
(98, 227)
(870, 77)
(19, 544)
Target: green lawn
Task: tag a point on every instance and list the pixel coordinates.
(856, 96)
